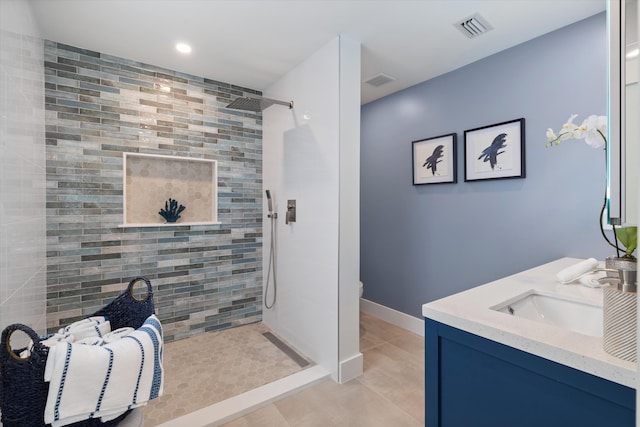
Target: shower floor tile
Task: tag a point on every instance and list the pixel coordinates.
(208, 368)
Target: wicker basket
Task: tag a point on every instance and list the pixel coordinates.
(23, 392)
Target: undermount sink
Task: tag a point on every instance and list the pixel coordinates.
(574, 314)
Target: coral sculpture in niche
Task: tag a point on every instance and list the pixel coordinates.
(171, 211)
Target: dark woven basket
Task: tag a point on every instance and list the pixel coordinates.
(23, 392)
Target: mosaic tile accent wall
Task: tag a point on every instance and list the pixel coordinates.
(205, 277)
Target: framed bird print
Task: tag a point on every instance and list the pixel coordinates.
(495, 151)
(434, 160)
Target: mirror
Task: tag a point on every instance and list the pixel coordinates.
(623, 145)
(632, 137)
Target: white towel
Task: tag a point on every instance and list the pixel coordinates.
(106, 338)
(90, 341)
(104, 381)
(117, 334)
(591, 280)
(573, 272)
(88, 328)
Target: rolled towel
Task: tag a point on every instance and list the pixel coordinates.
(90, 327)
(591, 280)
(56, 338)
(117, 334)
(84, 330)
(106, 338)
(48, 341)
(91, 341)
(86, 322)
(570, 274)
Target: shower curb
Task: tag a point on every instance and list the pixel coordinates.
(237, 406)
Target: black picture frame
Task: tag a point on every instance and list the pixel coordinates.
(495, 151)
(434, 160)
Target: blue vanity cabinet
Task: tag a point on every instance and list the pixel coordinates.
(472, 382)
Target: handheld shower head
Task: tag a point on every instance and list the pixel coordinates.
(269, 203)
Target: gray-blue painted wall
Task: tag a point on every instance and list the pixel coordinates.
(421, 243)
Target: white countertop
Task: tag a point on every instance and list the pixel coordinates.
(470, 311)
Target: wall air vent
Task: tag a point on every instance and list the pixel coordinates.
(379, 79)
(473, 26)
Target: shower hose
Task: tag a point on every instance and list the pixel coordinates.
(272, 266)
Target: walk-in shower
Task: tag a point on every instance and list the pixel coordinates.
(256, 103)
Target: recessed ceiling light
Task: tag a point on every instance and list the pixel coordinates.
(183, 48)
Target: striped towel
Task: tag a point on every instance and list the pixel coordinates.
(87, 381)
(106, 338)
(91, 327)
(95, 326)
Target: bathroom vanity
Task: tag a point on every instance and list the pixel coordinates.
(524, 350)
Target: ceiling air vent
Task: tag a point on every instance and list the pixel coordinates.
(379, 79)
(474, 26)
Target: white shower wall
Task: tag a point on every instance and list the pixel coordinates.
(317, 262)
(22, 169)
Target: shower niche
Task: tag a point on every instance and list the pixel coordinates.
(150, 181)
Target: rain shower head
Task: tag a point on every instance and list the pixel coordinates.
(256, 103)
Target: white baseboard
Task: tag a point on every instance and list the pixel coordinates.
(351, 368)
(402, 320)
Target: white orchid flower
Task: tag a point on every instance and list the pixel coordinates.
(593, 130)
(552, 138)
(570, 121)
(596, 129)
(597, 123)
(570, 130)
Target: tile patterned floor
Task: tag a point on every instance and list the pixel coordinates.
(389, 393)
(208, 368)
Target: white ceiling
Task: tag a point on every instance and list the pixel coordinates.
(252, 43)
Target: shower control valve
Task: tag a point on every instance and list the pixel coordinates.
(291, 212)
